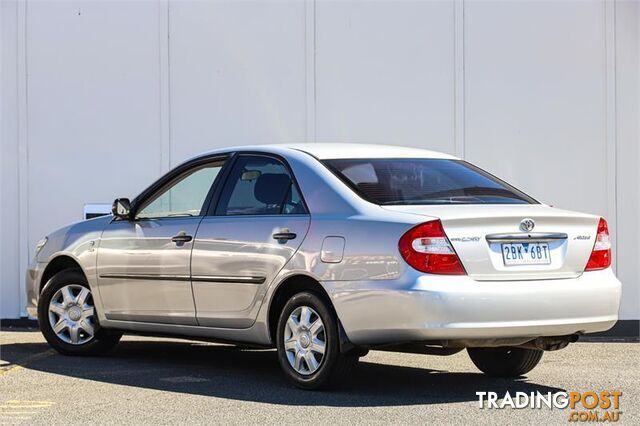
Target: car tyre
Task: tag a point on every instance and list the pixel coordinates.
(298, 336)
(505, 361)
(68, 319)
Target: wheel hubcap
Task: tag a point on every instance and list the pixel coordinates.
(71, 314)
(75, 313)
(304, 340)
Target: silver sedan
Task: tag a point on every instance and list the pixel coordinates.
(325, 251)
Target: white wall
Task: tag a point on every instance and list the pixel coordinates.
(99, 98)
(627, 134)
(535, 94)
(92, 105)
(237, 74)
(10, 117)
(385, 73)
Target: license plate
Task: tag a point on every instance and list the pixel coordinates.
(526, 254)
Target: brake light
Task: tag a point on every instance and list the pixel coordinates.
(426, 248)
(601, 254)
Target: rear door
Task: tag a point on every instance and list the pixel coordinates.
(256, 226)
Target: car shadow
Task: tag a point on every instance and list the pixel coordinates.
(254, 375)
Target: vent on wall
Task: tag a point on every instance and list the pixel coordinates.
(96, 210)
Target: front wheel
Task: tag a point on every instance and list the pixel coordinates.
(68, 319)
(308, 344)
(505, 362)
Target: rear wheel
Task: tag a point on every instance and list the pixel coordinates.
(308, 344)
(505, 362)
(68, 319)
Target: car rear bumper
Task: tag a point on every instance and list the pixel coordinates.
(457, 307)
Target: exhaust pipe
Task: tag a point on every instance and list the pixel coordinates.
(550, 343)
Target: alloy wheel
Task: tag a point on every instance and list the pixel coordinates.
(304, 340)
(71, 314)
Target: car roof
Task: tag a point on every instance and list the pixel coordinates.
(336, 150)
(326, 151)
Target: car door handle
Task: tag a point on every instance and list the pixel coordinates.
(284, 235)
(181, 237)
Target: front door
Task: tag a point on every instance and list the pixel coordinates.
(144, 264)
(258, 224)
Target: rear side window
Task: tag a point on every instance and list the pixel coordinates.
(425, 181)
(259, 186)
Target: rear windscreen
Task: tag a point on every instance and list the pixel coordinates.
(424, 181)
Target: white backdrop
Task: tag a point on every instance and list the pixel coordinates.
(99, 98)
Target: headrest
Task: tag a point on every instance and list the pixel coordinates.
(271, 188)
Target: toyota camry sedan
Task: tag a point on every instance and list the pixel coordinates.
(325, 251)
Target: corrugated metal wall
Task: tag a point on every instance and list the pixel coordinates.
(100, 98)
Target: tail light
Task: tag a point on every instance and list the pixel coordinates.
(427, 249)
(601, 254)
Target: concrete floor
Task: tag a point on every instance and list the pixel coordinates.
(171, 381)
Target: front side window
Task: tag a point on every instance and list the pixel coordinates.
(185, 196)
(259, 186)
(425, 181)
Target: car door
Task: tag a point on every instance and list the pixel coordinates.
(144, 263)
(256, 226)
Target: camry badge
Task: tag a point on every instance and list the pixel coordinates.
(465, 239)
(527, 225)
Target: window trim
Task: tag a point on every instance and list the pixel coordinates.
(215, 201)
(170, 178)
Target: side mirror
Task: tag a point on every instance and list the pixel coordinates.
(121, 208)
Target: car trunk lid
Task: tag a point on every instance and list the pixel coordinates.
(492, 245)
